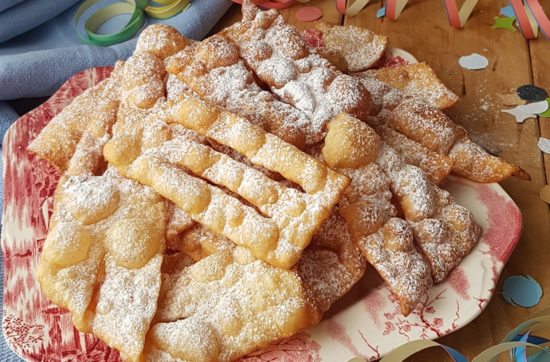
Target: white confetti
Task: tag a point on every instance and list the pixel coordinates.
(525, 111)
(544, 145)
(473, 62)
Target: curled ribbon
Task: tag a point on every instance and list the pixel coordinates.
(530, 17)
(136, 8)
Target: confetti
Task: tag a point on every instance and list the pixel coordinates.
(547, 113)
(473, 62)
(507, 11)
(309, 13)
(544, 145)
(527, 111)
(504, 23)
(522, 290)
(532, 93)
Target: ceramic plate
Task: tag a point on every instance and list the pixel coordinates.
(366, 323)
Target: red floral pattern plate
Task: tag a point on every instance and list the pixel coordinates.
(366, 322)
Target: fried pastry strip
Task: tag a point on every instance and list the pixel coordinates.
(213, 70)
(279, 56)
(287, 219)
(73, 140)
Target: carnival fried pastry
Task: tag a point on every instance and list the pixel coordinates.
(226, 305)
(435, 165)
(473, 162)
(73, 140)
(367, 207)
(279, 56)
(214, 70)
(102, 257)
(417, 80)
(392, 252)
(426, 127)
(359, 47)
(287, 219)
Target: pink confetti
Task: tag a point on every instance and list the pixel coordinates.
(309, 13)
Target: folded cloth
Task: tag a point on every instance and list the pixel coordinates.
(28, 15)
(39, 62)
(6, 4)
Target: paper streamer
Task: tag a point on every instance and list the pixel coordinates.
(169, 8)
(101, 16)
(531, 17)
(457, 18)
(351, 10)
(135, 8)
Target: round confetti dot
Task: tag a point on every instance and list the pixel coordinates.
(522, 291)
(531, 93)
(309, 13)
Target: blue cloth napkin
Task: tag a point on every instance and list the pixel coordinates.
(29, 14)
(38, 62)
(6, 4)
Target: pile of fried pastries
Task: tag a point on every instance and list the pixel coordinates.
(219, 196)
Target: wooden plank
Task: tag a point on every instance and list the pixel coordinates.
(540, 58)
(423, 30)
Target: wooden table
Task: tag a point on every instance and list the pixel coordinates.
(424, 31)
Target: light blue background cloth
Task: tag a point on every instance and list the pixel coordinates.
(6, 4)
(38, 62)
(27, 15)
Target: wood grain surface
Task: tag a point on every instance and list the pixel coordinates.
(423, 30)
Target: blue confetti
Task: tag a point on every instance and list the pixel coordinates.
(507, 11)
(381, 12)
(522, 291)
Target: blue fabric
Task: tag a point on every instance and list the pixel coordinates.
(38, 62)
(29, 14)
(6, 4)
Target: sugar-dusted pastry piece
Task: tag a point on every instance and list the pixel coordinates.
(435, 165)
(430, 133)
(417, 80)
(331, 264)
(72, 141)
(282, 220)
(226, 305)
(392, 252)
(447, 236)
(358, 46)
(368, 206)
(102, 257)
(213, 70)
(279, 56)
(426, 125)
(198, 242)
(474, 163)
